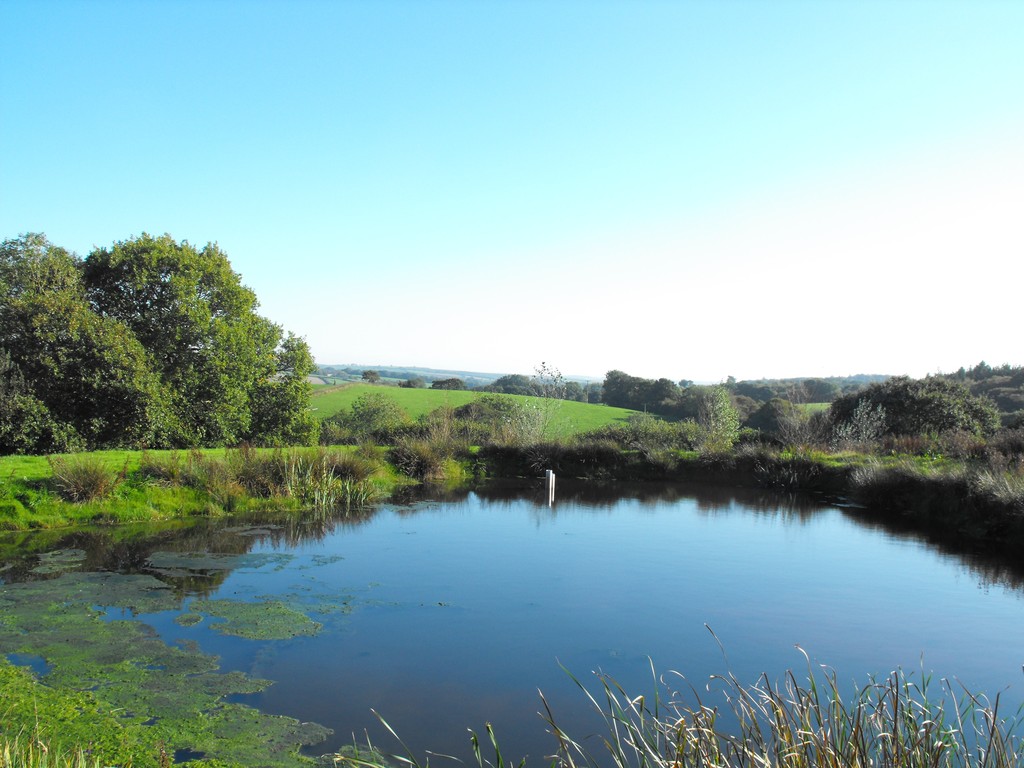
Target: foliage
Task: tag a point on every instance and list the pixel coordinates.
(649, 435)
(866, 425)
(931, 405)
(374, 416)
(280, 403)
(450, 383)
(510, 384)
(371, 377)
(82, 477)
(718, 419)
(505, 420)
(25, 422)
(148, 343)
(86, 371)
(199, 327)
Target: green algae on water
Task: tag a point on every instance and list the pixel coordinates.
(266, 620)
(115, 688)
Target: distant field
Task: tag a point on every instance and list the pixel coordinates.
(568, 418)
(814, 407)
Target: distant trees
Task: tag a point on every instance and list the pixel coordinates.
(511, 384)
(151, 342)
(371, 377)
(450, 383)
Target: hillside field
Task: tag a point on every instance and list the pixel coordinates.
(568, 418)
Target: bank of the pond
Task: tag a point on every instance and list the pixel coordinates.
(972, 505)
(975, 505)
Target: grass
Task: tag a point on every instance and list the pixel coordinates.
(900, 721)
(24, 752)
(118, 487)
(568, 418)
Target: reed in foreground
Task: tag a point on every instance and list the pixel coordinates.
(901, 721)
(24, 752)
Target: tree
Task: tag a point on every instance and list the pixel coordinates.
(280, 403)
(511, 384)
(376, 416)
(452, 383)
(26, 424)
(203, 339)
(548, 382)
(371, 377)
(88, 371)
(932, 405)
(718, 419)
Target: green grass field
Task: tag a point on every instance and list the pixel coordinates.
(568, 417)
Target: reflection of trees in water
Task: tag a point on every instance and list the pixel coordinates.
(991, 569)
(128, 549)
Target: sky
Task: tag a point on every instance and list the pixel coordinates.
(690, 190)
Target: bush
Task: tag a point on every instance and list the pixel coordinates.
(920, 407)
(419, 458)
(82, 478)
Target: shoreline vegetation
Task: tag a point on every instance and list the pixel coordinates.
(899, 721)
(973, 503)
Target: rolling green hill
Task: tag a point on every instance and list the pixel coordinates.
(569, 417)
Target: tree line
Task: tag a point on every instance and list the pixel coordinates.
(148, 343)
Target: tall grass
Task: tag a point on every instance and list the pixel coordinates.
(84, 477)
(24, 752)
(900, 721)
(897, 722)
(317, 478)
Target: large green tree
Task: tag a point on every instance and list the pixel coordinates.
(83, 377)
(280, 403)
(212, 352)
(148, 343)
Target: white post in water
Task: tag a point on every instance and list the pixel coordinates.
(549, 483)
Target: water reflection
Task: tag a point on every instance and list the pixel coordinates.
(468, 597)
(127, 549)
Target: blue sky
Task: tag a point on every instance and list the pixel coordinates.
(686, 189)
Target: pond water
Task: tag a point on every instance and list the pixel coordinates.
(442, 615)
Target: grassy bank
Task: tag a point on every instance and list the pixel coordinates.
(973, 503)
(118, 487)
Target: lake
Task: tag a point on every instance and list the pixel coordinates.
(444, 614)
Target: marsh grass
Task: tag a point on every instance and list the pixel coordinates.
(25, 752)
(83, 477)
(900, 721)
(317, 478)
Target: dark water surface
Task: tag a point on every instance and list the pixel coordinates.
(458, 611)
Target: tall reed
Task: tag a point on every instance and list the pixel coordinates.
(894, 722)
(23, 752)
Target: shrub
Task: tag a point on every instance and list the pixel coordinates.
(420, 458)
(502, 420)
(82, 478)
(922, 406)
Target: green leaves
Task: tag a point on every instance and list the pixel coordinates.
(149, 343)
